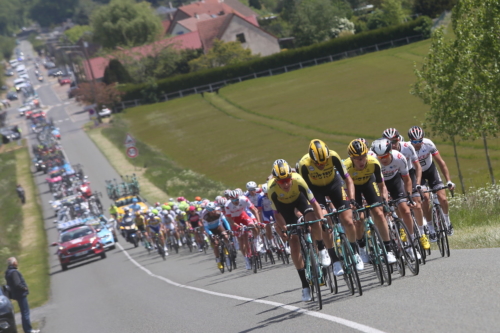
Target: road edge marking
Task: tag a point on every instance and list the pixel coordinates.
(341, 321)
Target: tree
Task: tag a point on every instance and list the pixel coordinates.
(115, 72)
(52, 12)
(83, 12)
(75, 33)
(313, 21)
(433, 8)
(462, 76)
(393, 12)
(7, 45)
(104, 94)
(125, 23)
(222, 54)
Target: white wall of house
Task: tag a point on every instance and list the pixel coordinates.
(257, 40)
(179, 30)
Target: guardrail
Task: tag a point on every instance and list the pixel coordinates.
(215, 86)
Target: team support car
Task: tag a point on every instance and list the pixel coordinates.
(7, 318)
(104, 233)
(128, 202)
(77, 243)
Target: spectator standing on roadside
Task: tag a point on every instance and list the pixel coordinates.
(19, 291)
(20, 193)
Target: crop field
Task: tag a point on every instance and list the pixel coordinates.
(234, 136)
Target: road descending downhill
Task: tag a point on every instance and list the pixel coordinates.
(133, 291)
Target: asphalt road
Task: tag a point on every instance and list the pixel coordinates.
(131, 291)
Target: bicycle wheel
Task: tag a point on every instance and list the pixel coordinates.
(331, 280)
(397, 248)
(189, 243)
(204, 244)
(350, 265)
(443, 240)
(228, 262)
(410, 253)
(161, 250)
(222, 258)
(378, 255)
(315, 276)
(420, 249)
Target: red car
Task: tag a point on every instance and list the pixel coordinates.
(64, 80)
(77, 244)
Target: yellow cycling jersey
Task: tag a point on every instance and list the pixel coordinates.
(154, 222)
(315, 176)
(275, 193)
(139, 220)
(360, 177)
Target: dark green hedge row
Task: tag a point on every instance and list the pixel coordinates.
(289, 57)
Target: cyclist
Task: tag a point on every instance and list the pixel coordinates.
(113, 211)
(397, 180)
(366, 174)
(140, 223)
(180, 218)
(170, 226)
(253, 195)
(154, 226)
(317, 168)
(135, 206)
(236, 214)
(193, 221)
(415, 171)
(215, 223)
(289, 192)
(427, 154)
(264, 205)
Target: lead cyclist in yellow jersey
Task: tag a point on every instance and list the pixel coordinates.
(319, 168)
(289, 192)
(366, 174)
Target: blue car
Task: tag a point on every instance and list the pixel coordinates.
(107, 239)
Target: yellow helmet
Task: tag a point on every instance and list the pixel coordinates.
(281, 169)
(357, 148)
(318, 151)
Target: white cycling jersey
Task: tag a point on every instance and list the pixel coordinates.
(265, 203)
(409, 153)
(397, 166)
(233, 210)
(427, 150)
(254, 199)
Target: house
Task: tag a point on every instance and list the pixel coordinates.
(98, 65)
(234, 27)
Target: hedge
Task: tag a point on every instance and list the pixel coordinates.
(289, 57)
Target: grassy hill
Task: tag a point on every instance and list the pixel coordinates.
(235, 136)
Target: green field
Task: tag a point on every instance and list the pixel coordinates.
(235, 136)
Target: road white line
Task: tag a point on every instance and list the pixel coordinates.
(341, 321)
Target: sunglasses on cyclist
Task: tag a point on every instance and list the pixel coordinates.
(284, 181)
(416, 142)
(381, 157)
(235, 199)
(252, 189)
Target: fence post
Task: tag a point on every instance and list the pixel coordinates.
(376, 47)
(315, 61)
(123, 106)
(300, 63)
(195, 90)
(286, 69)
(211, 89)
(166, 97)
(270, 72)
(407, 40)
(180, 93)
(254, 75)
(331, 58)
(392, 43)
(135, 101)
(346, 54)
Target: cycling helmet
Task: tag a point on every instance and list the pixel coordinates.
(401, 138)
(197, 198)
(134, 200)
(175, 207)
(137, 213)
(171, 199)
(362, 140)
(182, 213)
(239, 191)
(391, 134)
(179, 199)
(192, 208)
(154, 211)
(226, 193)
(251, 186)
(381, 146)
(281, 169)
(264, 188)
(221, 201)
(416, 133)
(318, 151)
(233, 195)
(164, 207)
(357, 148)
(126, 209)
(157, 204)
(211, 207)
(168, 208)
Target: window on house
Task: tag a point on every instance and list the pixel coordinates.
(241, 38)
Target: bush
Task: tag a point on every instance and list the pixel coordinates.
(331, 47)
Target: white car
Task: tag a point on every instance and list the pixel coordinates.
(105, 112)
(25, 108)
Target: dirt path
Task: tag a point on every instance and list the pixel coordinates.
(118, 160)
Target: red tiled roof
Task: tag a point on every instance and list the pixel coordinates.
(190, 40)
(237, 6)
(192, 23)
(212, 29)
(166, 25)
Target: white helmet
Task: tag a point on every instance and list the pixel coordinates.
(381, 146)
(251, 186)
(264, 188)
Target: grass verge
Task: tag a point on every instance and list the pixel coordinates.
(159, 176)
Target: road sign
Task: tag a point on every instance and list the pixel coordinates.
(129, 141)
(132, 152)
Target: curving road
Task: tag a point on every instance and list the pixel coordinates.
(131, 291)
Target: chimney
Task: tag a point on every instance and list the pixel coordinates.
(170, 4)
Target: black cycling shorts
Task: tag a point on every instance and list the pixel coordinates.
(369, 190)
(141, 228)
(396, 188)
(218, 231)
(432, 177)
(334, 191)
(287, 210)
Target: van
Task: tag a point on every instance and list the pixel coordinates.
(13, 63)
(21, 68)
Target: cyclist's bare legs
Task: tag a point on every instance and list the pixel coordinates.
(348, 225)
(380, 222)
(404, 213)
(295, 252)
(417, 210)
(443, 200)
(243, 240)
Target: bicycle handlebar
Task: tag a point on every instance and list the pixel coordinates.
(439, 189)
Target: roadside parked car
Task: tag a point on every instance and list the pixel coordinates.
(11, 96)
(64, 80)
(105, 112)
(9, 72)
(23, 110)
(55, 72)
(78, 243)
(7, 318)
(49, 65)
